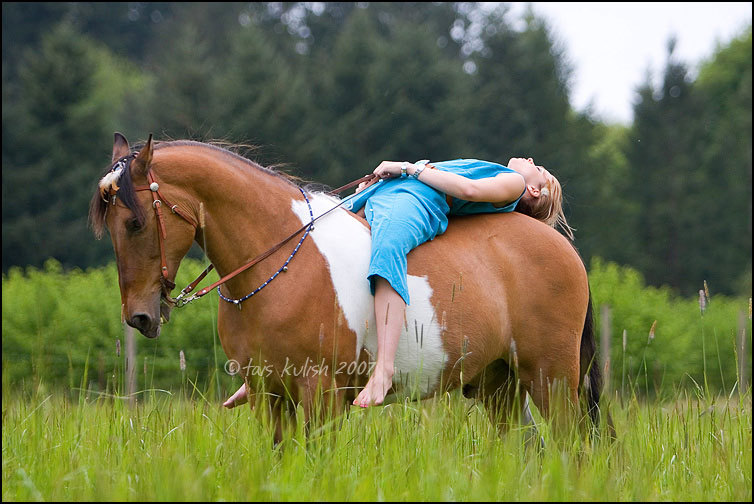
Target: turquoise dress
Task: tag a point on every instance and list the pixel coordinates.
(405, 212)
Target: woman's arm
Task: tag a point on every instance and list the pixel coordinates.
(503, 188)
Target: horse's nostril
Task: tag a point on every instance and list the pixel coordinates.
(141, 321)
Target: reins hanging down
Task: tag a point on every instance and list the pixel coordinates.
(180, 301)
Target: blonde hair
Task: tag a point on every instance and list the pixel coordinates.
(548, 207)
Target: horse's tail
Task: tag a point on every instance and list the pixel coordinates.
(590, 373)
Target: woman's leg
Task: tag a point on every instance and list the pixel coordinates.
(389, 310)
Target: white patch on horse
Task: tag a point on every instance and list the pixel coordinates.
(345, 243)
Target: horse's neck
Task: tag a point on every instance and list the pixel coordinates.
(245, 209)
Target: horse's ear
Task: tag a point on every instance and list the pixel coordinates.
(140, 164)
(120, 147)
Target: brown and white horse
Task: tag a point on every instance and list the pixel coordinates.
(494, 299)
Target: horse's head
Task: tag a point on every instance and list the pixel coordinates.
(149, 239)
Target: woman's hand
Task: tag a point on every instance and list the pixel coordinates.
(389, 169)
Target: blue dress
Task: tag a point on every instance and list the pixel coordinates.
(405, 212)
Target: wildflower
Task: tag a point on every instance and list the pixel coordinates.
(182, 360)
(652, 331)
(625, 338)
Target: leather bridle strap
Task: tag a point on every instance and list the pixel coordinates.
(371, 179)
(158, 199)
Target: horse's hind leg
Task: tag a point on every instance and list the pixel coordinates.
(553, 388)
(504, 400)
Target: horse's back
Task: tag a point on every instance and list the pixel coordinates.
(499, 277)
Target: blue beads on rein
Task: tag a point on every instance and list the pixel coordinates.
(283, 268)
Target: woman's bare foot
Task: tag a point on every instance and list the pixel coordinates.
(238, 398)
(388, 335)
(376, 388)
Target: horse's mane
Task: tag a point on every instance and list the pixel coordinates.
(233, 150)
(127, 195)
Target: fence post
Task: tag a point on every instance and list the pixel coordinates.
(741, 351)
(130, 356)
(605, 332)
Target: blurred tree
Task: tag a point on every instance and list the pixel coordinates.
(125, 27)
(263, 97)
(602, 210)
(24, 23)
(520, 96)
(58, 121)
(667, 182)
(180, 102)
(389, 92)
(724, 86)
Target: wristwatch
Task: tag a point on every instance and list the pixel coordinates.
(420, 167)
(404, 166)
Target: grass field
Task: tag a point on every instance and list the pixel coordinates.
(173, 448)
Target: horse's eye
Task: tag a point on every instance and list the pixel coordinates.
(133, 225)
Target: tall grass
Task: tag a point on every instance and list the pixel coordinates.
(55, 448)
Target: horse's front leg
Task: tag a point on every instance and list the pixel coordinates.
(321, 397)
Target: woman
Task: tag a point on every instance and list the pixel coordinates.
(413, 207)
(409, 206)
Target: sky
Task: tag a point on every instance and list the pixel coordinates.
(612, 46)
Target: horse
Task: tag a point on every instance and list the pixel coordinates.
(501, 304)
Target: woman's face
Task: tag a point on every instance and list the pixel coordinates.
(536, 176)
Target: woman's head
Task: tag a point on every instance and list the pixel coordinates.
(543, 198)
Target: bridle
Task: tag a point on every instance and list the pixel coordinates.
(158, 199)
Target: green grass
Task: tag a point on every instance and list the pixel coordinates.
(168, 447)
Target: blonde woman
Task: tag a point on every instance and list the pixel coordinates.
(411, 205)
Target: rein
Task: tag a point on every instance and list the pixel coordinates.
(158, 199)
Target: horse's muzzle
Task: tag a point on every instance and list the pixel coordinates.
(146, 325)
